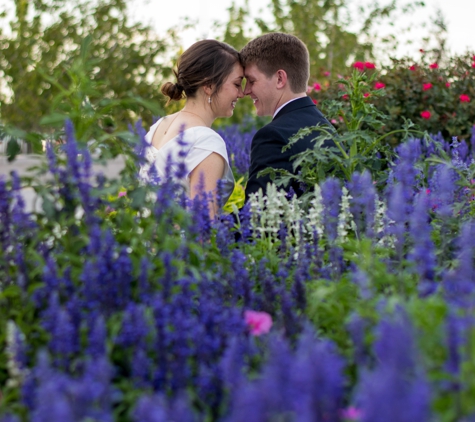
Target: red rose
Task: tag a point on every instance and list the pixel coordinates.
(427, 86)
(317, 86)
(314, 101)
(366, 94)
(413, 67)
(425, 114)
(434, 66)
(359, 66)
(369, 65)
(447, 84)
(345, 96)
(326, 74)
(464, 98)
(379, 85)
(473, 65)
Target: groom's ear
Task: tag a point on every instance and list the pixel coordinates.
(281, 78)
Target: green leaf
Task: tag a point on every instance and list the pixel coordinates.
(13, 149)
(48, 207)
(54, 119)
(138, 197)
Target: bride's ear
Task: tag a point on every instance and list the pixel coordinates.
(208, 89)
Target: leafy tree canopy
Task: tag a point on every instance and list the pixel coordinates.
(336, 32)
(44, 40)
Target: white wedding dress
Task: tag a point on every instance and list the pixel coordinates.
(201, 141)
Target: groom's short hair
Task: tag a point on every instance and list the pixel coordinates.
(276, 50)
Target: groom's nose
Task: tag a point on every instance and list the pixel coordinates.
(247, 88)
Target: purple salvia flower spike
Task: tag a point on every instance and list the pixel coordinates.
(331, 196)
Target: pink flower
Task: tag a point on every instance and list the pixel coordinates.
(427, 86)
(366, 94)
(447, 84)
(326, 74)
(434, 66)
(333, 121)
(473, 65)
(123, 193)
(379, 85)
(314, 101)
(258, 322)
(351, 413)
(426, 114)
(359, 66)
(317, 86)
(369, 65)
(345, 97)
(413, 67)
(464, 98)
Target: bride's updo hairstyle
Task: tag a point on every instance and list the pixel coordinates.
(206, 62)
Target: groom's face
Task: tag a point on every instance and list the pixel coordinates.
(261, 89)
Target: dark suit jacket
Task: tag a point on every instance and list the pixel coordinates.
(267, 144)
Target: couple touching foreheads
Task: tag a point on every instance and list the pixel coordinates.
(210, 74)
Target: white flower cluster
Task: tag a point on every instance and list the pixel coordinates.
(268, 212)
(345, 218)
(16, 374)
(315, 212)
(381, 224)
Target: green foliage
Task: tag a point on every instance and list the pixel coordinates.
(323, 27)
(235, 31)
(237, 198)
(357, 142)
(81, 102)
(236, 34)
(46, 39)
(406, 94)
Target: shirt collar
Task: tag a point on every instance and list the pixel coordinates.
(283, 105)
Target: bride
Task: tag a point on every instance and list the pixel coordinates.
(210, 75)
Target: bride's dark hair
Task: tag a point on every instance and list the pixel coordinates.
(206, 62)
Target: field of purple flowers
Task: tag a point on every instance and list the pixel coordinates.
(122, 301)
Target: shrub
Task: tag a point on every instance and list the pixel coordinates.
(436, 98)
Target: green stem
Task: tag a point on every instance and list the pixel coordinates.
(387, 134)
(345, 155)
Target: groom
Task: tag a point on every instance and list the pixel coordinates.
(276, 67)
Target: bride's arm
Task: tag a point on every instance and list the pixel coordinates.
(212, 169)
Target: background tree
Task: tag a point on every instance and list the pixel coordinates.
(44, 41)
(237, 32)
(336, 32)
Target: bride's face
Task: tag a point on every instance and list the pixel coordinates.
(230, 91)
